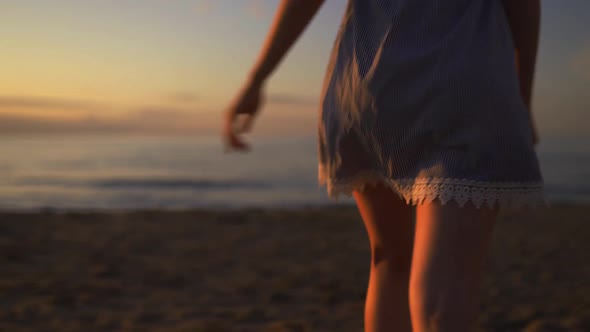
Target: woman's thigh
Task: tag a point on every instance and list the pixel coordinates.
(389, 222)
(451, 248)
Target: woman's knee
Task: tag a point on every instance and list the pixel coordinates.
(396, 260)
(390, 226)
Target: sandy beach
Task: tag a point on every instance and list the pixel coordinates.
(261, 270)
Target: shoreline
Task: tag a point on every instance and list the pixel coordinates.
(244, 208)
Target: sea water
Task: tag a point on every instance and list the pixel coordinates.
(139, 172)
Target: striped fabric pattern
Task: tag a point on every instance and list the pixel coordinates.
(423, 96)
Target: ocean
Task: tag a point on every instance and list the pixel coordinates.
(132, 172)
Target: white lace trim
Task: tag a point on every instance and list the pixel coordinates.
(425, 189)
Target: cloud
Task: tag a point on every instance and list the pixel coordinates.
(204, 7)
(153, 120)
(257, 8)
(184, 97)
(177, 115)
(49, 103)
(580, 62)
(22, 124)
(163, 116)
(170, 119)
(295, 100)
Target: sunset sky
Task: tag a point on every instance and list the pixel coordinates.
(172, 65)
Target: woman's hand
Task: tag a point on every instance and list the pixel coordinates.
(239, 117)
(291, 18)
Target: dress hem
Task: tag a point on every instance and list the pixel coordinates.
(415, 191)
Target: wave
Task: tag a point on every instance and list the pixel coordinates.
(146, 183)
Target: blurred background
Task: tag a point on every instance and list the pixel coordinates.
(117, 104)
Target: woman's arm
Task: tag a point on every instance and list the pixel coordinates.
(291, 19)
(524, 17)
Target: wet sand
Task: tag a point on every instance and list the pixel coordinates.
(261, 270)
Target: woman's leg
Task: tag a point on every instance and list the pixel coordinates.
(450, 253)
(390, 226)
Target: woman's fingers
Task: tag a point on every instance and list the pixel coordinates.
(246, 123)
(240, 117)
(237, 144)
(231, 137)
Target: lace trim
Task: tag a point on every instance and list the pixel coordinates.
(419, 190)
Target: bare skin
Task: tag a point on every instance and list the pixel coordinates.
(439, 289)
(425, 276)
(293, 16)
(290, 21)
(390, 226)
(451, 246)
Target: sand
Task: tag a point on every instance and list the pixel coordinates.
(261, 270)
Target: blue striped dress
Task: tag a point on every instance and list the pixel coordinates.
(423, 96)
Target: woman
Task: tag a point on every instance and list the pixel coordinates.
(425, 106)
